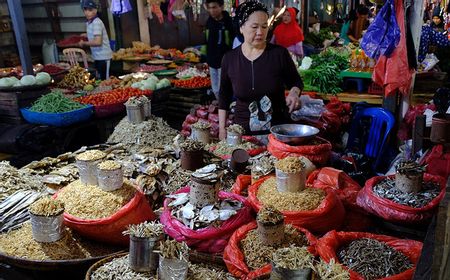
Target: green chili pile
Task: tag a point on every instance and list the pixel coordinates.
(55, 102)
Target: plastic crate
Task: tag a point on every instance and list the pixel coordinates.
(375, 89)
(58, 119)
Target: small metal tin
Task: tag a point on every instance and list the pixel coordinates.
(409, 183)
(272, 235)
(191, 160)
(88, 171)
(201, 135)
(234, 139)
(135, 113)
(110, 180)
(290, 182)
(172, 269)
(280, 273)
(47, 229)
(239, 160)
(141, 257)
(203, 192)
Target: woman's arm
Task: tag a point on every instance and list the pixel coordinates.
(223, 115)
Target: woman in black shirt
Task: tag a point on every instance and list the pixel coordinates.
(256, 74)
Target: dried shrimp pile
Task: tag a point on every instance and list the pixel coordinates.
(47, 206)
(290, 165)
(146, 230)
(293, 258)
(331, 271)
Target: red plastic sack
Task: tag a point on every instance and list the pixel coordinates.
(344, 186)
(212, 239)
(251, 152)
(329, 215)
(395, 212)
(202, 113)
(71, 41)
(213, 118)
(191, 119)
(235, 260)
(318, 154)
(328, 245)
(438, 162)
(109, 230)
(241, 184)
(357, 221)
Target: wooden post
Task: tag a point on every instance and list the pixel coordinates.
(144, 30)
(51, 9)
(16, 13)
(418, 134)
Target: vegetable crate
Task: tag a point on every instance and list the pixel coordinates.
(12, 101)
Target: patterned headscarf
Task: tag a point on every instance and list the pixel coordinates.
(247, 8)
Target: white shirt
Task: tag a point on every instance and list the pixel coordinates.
(97, 28)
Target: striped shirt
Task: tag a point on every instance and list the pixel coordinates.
(97, 28)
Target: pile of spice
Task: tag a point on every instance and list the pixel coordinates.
(201, 125)
(268, 215)
(90, 202)
(290, 165)
(386, 189)
(293, 258)
(91, 155)
(145, 230)
(47, 206)
(308, 199)
(119, 268)
(373, 259)
(171, 249)
(331, 271)
(20, 243)
(13, 179)
(152, 133)
(190, 145)
(222, 148)
(108, 165)
(258, 254)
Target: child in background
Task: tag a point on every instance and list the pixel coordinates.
(98, 39)
(219, 33)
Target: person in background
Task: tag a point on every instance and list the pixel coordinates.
(357, 26)
(346, 26)
(257, 74)
(289, 34)
(219, 33)
(98, 39)
(438, 21)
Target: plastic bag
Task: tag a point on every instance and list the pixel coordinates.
(241, 184)
(109, 230)
(328, 245)
(191, 119)
(235, 260)
(329, 178)
(318, 154)
(252, 152)
(438, 162)
(211, 239)
(395, 212)
(329, 215)
(383, 35)
(119, 7)
(202, 113)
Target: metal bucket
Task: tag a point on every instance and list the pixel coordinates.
(192, 160)
(272, 235)
(234, 139)
(203, 192)
(200, 135)
(147, 108)
(141, 257)
(110, 180)
(290, 182)
(172, 269)
(280, 273)
(47, 229)
(135, 113)
(409, 183)
(88, 171)
(239, 160)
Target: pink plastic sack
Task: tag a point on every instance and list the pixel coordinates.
(212, 239)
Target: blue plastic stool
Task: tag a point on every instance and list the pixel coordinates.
(359, 82)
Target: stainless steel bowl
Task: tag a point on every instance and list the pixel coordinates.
(294, 134)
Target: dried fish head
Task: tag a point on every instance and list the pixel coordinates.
(187, 211)
(179, 199)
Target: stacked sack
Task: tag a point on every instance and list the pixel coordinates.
(208, 114)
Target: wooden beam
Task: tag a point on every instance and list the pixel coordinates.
(51, 8)
(441, 269)
(144, 30)
(20, 32)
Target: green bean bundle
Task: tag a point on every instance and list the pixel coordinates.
(55, 102)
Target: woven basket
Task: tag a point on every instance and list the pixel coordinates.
(102, 262)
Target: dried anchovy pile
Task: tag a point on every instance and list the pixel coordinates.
(331, 271)
(153, 133)
(308, 199)
(207, 272)
(270, 215)
(262, 165)
(109, 165)
(20, 243)
(119, 269)
(171, 249)
(47, 206)
(373, 259)
(202, 125)
(409, 167)
(258, 254)
(293, 258)
(13, 179)
(290, 165)
(91, 155)
(386, 189)
(145, 230)
(235, 128)
(190, 145)
(222, 148)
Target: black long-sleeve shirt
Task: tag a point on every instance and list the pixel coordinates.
(270, 74)
(219, 39)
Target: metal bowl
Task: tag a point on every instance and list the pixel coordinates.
(294, 134)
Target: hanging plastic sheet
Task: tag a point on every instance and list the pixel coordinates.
(383, 35)
(119, 7)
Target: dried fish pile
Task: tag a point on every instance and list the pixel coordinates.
(258, 254)
(202, 125)
(46, 206)
(222, 148)
(154, 133)
(171, 249)
(177, 180)
(190, 145)
(386, 189)
(145, 230)
(48, 165)
(20, 243)
(119, 269)
(308, 199)
(14, 209)
(331, 271)
(196, 218)
(235, 128)
(269, 215)
(13, 179)
(373, 259)
(90, 202)
(109, 165)
(293, 258)
(60, 177)
(207, 272)
(262, 165)
(409, 167)
(290, 165)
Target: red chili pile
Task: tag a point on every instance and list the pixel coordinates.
(114, 96)
(196, 82)
(52, 69)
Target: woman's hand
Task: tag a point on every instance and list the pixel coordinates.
(222, 133)
(292, 100)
